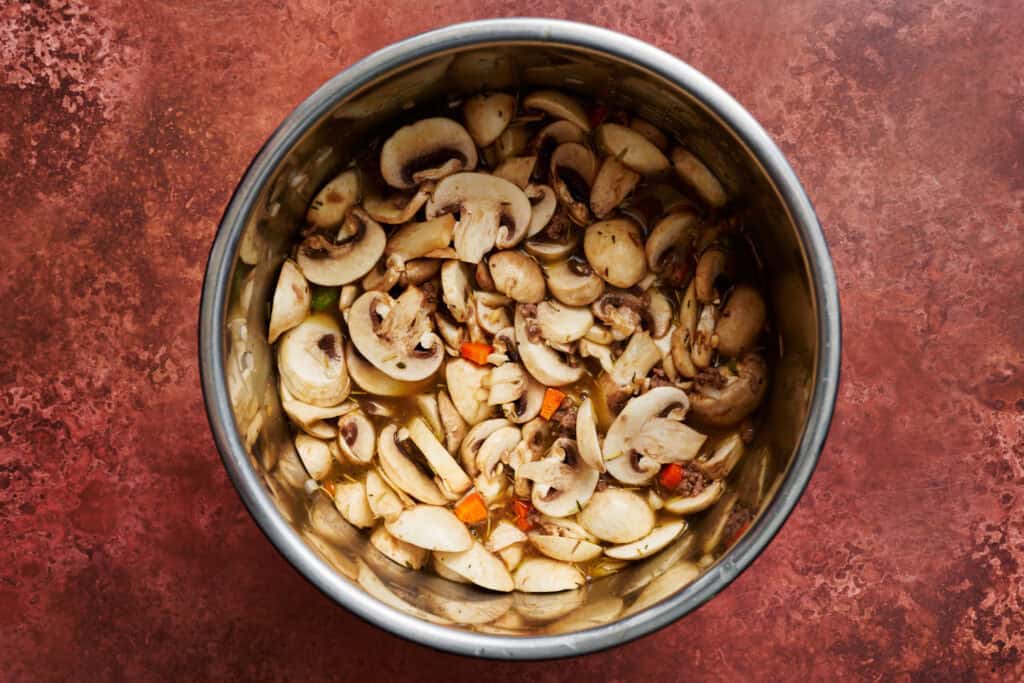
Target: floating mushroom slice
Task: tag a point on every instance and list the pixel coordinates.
(543, 203)
(490, 315)
(615, 251)
(613, 183)
(675, 231)
(429, 149)
(507, 384)
(453, 425)
(668, 441)
(563, 483)
(403, 472)
(623, 313)
(395, 335)
(542, 361)
(543, 575)
(649, 131)
(517, 170)
(431, 527)
(703, 349)
(573, 282)
(631, 148)
(544, 608)
(475, 439)
(557, 133)
(492, 212)
(558, 105)
(618, 449)
(688, 505)
(439, 459)
(512, 555)
(713, 526)
(659, 310)
(602, 352)
(592, 615)
(373, 381)
(383, 276)
(665, 585)
(310, 418)
(512, 142)
(466, 383)
(419, 271)
(587, 441)
(503, 535)
(455, 289)
(357, 437)
(641, 354)
(693, 172)
(495, 450)
(741, 322)
(347, 256)
(487, 116)
(740, 395)
(350, 499)
(315, 455)
(527, 406)
(400, 552)
(479, 566)
(446, 573)
(656, 540)
(549, 250)
(721, 461)
(397, 208)
(617, 516)
(476, 611)
(381, 498)
(330, 206)
(415, 240)
(311, 362)
(564, 548)
(573, 168)
(346, 297)
(714, 268)
(426, 403)
(562, 324)
(682, 338)
(372, 584)
(291, 300)
(517, 276)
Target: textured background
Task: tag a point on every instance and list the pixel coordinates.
(126, 554)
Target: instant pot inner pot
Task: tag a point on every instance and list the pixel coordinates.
(430, 85)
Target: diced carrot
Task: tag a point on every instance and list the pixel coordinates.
(522, 510)
(552, 399)
(471, 509)
(476, 352)
(671, 475)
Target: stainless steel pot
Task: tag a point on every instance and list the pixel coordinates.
(317, 139)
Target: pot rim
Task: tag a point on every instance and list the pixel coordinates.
(216, 288)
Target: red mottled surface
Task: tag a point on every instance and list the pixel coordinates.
(127, 555)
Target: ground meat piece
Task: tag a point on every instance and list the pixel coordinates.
(738, 518)
(660, 379)
(710, 378)
(563, 422)
(693, 482)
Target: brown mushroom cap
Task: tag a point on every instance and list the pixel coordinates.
(615, 250)
(725, 403)
(517, 276)
(429, 149)
(741, 322)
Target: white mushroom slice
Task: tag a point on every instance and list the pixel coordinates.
(372, 584)
(512, 142)
(720, 463)
(618, 447)
(688, 505)
(491, 212)
(383, 276)
(491, 315)
(673, 232)
(455, 289)
(310, 418)
(653, 542)
(291, 300)
(431, 527)
(517, 276)
(446, 573)
(562, 324)
(381, 498)
(315, 455)
(311, 362)
(543, 202)
(573, 168)
(357, 437)
(543, 362)
(373, 381)
(397, 551)
(517, 170)
(540, 608)
(396, 335)
(331, 204)
(621, 312)
(345, 257)
(693, 172)
(479, 566)
(592, 615)
(507, 383)
(557, 133)
(668, 441)
(617, 516)
(599, 334)
(439, 459)
(558, 105)
(615, 251)
(573, 282)
(426, 403)
(350, 499)
(453, 426)
(649, 131)
(613, 183)
(487, 116)
(475, 611)
(475, 439)
(527, 406)
(565, 549)
(548, 249)
(563, 483)
(660, 310)
(631, 148)
(512, 555)
(669, 583)
(429, 149)
(403, 472)
(740, 324)
(346, 297)
(587, 441)
(495, 449)
(415, 240)
(682, 338)
(451, 332)
(504, 534)
(399, 207)
(636, 361)
(542, 575)
(465, 381)
(704, 340)
(602, 352)
(654, 500)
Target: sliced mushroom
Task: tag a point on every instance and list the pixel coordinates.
(504, 534)
(517, 276)
(659, 310)
(310, 418)
(397, 208)
(507, 383)
(682, 338)
(445, 573)
(621, 312)
(741, 321)
(400, 552)
(572, 173)
(613, 183)
(574, 282)
(331, 204)
(636, 361)
(670, 245)
(454, 426)
(291, 300)
(452, 478)
(373, 381)
(702, 500)
(475, 439)
(512, 142)
(713, 526)
(668, 441)
(558, 105)
(615, 251)
(383, 276)
(382, 499)
(557, 242)
(491, 315)
(492, 211)
(618, 447)
(527, 406)
(594, 614)
(350, 499)
(714, 271)
(345, 257)
(693, 172)
(562, 483)
(617, 516)
(561, 324)
(311, 362)
(586, 436)
(415, 240)
(542, 575)
(543, 202)
(631, 148)
(703, 349)
(669, 583)
(721, 461)
(356, 437)
(429, 149)
(431, 527)
(403, 472)
(543, 362)
(315, 455)
(395, 335)
(465, 382)
(487, 116)
(554, 134)
(479, 566)
(455, 289)
(518, 171)
(649, 131)
(602, 352)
